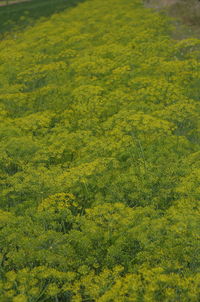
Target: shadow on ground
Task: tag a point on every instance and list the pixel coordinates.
(19, 16)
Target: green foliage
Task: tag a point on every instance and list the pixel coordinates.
(22, 14)
(99, 158)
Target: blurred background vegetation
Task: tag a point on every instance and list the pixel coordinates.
(17, 15)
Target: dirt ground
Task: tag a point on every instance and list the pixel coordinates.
(160, 3)
(185, 13)
(169, 2)
(4, 3)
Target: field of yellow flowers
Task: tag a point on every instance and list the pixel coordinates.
(100, 158)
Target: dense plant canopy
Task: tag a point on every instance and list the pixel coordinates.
(100, 158)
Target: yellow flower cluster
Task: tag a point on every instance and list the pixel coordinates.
(99, 158)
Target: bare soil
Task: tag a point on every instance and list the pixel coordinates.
(5, 3)
(185, 13)
(160, 3)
